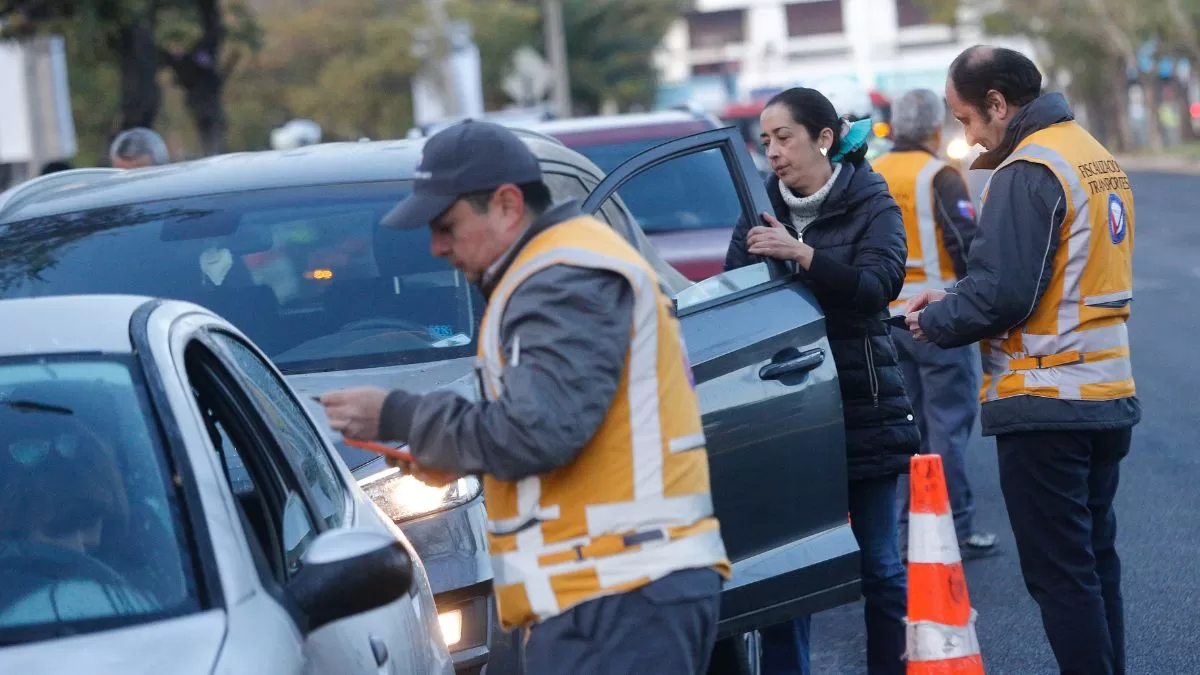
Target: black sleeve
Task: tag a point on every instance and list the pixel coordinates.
(874, 277)
(1010, 262)
(955, 215)
(738, 254)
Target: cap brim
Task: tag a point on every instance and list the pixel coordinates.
(417, 211)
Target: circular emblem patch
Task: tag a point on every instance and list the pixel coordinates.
(1118, 219)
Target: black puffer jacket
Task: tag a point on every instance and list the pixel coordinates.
(857, 269)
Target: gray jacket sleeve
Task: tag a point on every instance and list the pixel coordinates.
(1010, 261)
(573, 327)
(958, 228)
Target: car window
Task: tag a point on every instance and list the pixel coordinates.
(309, 274)
(297, 437)
(712, 288)
(687, 193)
(564, 187)
(270, 502)
(92, 531)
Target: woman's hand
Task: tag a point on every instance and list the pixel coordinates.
(774, 241)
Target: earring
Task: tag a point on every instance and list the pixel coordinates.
(824, 151)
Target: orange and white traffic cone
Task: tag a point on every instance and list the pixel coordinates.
(941, 622)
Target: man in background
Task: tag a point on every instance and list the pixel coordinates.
(136, 148)
(939, 222)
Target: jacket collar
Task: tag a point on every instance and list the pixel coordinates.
(553, 216)
(1046, 110)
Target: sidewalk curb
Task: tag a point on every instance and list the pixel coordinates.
(1177, 165)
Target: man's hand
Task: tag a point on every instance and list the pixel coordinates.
(430, 477)
(923, 300)
(774, 241)
(912, 312)
(355, 413)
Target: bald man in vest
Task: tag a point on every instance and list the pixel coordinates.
(587, 432)
(1047, 294)
(939, 222)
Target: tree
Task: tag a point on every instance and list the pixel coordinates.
(139, 38)
(610, 49)
(195, 46)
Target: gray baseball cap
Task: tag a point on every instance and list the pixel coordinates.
(470, 156)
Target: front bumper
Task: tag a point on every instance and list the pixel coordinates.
(453, 548)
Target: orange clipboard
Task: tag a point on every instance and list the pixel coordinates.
(380, 448)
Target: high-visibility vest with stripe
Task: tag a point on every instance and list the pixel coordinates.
(1075, 344)
(909, 175)
(635, 504)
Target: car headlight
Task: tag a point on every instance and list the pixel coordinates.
(958, 149)
(403, 497)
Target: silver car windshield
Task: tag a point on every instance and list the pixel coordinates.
(91, 533)
(307, 273)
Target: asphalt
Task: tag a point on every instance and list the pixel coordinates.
(1158, 504)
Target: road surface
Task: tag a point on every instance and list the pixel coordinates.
(1158, 505)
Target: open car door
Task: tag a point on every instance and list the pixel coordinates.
(769, 393)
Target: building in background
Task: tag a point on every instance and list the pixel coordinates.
(845, 48)
(36, 126)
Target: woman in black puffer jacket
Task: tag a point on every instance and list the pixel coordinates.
(835, 217)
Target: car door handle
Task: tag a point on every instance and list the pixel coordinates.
(379, 649)
(798, 364)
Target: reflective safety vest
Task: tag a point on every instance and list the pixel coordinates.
(635, 504)
(909, 175)
(1075, 344)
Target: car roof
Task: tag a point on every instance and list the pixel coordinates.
(321, 164)
(623, 121)
(67, 324)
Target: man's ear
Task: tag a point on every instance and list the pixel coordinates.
(510, 202)
(997, 104)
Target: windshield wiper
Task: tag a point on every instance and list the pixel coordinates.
(32, 406)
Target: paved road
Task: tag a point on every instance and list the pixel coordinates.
(1158, 506)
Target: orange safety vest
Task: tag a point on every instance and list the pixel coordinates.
(635, 504)
(909, 175)
(1075, 344)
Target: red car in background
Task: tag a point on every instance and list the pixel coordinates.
(690, 231)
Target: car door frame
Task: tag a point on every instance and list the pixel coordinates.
(750, 190)
(160, 333)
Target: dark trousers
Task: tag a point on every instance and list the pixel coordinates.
(785, 646)
(666, 626)
(1059, 489)
(943, 385)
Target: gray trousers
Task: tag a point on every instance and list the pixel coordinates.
(943, 385)
(666, 626)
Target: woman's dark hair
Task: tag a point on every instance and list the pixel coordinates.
(981, 69)
(810, 109)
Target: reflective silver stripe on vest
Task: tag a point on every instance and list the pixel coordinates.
(930, 259)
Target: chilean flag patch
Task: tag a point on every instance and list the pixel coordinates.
(966, 208)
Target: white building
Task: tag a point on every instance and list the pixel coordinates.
(756, 46)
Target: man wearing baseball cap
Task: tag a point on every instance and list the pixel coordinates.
(587, 432)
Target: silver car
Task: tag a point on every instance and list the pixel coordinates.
(167, 505)
(288, 247)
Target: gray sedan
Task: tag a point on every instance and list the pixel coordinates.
(166, 505)
(288, 247)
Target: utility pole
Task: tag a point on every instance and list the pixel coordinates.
(556, 48)
(439, 65)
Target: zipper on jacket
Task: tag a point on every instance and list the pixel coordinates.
(874, 379)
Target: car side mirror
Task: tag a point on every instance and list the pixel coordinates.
(348, 572)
